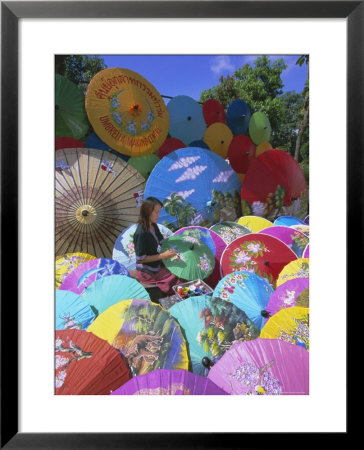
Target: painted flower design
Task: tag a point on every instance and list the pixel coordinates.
(60, 377)
(254, 247)
(258, 209)
(261, 381)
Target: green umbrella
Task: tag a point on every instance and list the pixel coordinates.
(144, 164)
(194, 259)
(229, 231)
(259, 128)
(71, 118)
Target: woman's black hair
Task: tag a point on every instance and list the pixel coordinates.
(146, 210)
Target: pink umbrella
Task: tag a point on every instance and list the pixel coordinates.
(286, 295)
(306, 252)
(296, 240)
(263, 367)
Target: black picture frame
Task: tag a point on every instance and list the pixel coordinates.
(11, 12)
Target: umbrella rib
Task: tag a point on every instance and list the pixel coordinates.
(63, 188)
(97, 173)
(122, 193)
(79, 174)
(73, 178)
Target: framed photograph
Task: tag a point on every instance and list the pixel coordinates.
(32, 33)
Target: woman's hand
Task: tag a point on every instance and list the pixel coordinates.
(168, 254)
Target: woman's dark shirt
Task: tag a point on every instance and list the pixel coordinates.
(147, 243)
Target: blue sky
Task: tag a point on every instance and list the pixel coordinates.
(174, 75)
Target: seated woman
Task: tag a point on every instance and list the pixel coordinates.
(147, 242)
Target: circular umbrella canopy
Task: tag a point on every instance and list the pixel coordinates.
(290, 325)
(273, 185)
(304, 298)
(262, 147)
(186, 119)
(254, 223)
(127, 112)
(213, 111)
(218, 137)
(71, 118)
(68, 142)
(90, 271)
(263, 367)
(211, 325)
(307, 220)
(285, 296)
(259, 128)
(72, 312)
(305, 229)
(306, 251)
(288, 221)
(298, 268)
(198, 188)
(215, 243)
(97, 196)
(295, 240)
(93, 141)
(199, 143)
(170, 145)
(169, 382)
(229, 231)
(247, 291)
(241, 153)
(65, 264)
(238, 116)
(107, 291)
(259, 253)
(144, 164)
(124, 251)
(194, 260)
(146, 334)
(87, 365)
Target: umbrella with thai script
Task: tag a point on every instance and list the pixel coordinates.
(147, 335)
(194, 260)
(90, 271)
(263, 367)
(286, 295)
(213, 111)
(196, 186)
(238, 116)
(68, 142)
(186, 119)
(70, 118)
(211, 325)
(126, 111)
(259, 128)
(66, 263)
(229, 231)
(105, 292)
(97, 196)
(124, 250)
(298, 268)
(215, 243)
(169, 382)
(249, 292)
(254, 223)
(258, 253)
(72, 311)
(290, 325)
(87, 365)
(295, 240)
(218, 137)
(274, 185)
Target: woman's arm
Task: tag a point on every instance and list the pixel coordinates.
(165, 255)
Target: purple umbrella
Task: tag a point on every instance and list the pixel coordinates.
(215, 243)
(296, 240)
(169, 382)
(90, 271)
(286, 295)
(263, 367)
(307, 220)
(306, 252)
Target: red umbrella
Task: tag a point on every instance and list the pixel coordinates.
(170, 145)
(241, 153)
(213, 111)
(68, 142)
(258, 253)
(274, 180)
(87, 365)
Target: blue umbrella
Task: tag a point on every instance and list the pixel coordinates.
(288, 221)
(199, 143)
(124, 251)
(200, 233)
(105, 292)
(72, 311)
(196, 186)
(238, 117)
(186, 120)
(93, 141)
(247, 291)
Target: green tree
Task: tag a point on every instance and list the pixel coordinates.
(304, 59)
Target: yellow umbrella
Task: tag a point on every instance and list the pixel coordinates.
(218, 137)
(299, 268)
(262, 147)
(289, 325)
(66, 263)
(255, 223)
(145, 333)
(127, 112)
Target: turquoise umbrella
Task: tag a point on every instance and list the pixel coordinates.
(105, 292)
(72, 311)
